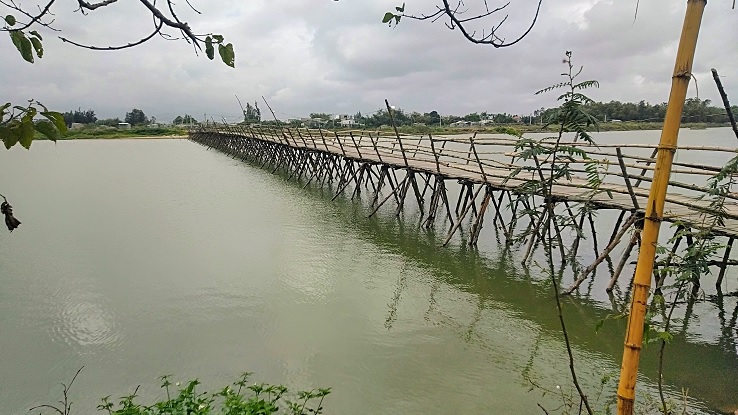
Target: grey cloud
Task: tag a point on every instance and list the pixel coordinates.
(328, 56)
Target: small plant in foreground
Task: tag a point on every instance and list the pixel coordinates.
(239, 398)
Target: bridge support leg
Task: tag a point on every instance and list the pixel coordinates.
(477, 227)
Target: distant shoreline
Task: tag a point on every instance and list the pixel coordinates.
(126, 137)
(409, 129)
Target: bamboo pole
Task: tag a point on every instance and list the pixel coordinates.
(655, 207)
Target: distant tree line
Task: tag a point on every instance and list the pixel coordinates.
(135, 117)
(695, 110)
(187, 119)
(79, 116)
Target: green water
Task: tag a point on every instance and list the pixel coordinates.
(142, 258)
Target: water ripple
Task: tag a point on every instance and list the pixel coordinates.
(82, 321)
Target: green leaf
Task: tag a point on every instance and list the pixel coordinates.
(209, 50)
(9, 133)
(48, 129)
(38, 47)
(218, 38)
(2, 110)
(58, 120)
(15, 37)
(401, 9)
(227, 54)
(30, 113)
(666, 336)
(27, 130)
(388, 17)
(10, 20)
(23, 45)
(26, 49)
(35, 33)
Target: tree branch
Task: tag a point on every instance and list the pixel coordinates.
(487, 37)
(34, 19)
(182, 26)
(92, 6)
(130, 45)
(160, 20)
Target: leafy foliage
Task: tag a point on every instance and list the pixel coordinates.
(79, 116)
(28, 43)
(18, 124)
(695, 110)
(187, 119)
(136, 117)
(227, 55)
(238, 398)
(542, 163)
(391, 17)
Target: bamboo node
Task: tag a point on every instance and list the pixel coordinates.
(633, 346)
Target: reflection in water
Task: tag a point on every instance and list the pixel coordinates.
(401, 285)
(497, 276)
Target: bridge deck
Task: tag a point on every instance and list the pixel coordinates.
(490, 160)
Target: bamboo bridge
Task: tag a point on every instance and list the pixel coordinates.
(388, 166)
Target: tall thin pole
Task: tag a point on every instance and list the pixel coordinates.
(655, 208)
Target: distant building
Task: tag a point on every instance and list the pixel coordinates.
(314, 122)
(124, 126)
(346, 120)
(76, 126)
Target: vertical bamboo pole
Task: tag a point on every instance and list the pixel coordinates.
(655, 206)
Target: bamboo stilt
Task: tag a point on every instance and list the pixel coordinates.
(655, 206)
(477, 227)
(726, 256)
(631, 220)
(616, 274)
(461, 217)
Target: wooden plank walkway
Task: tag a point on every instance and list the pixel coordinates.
(425, 154)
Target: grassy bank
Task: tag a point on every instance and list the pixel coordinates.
(102, 132)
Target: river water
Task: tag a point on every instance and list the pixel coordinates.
(140, 258)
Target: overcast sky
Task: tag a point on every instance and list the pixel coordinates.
(337, 57)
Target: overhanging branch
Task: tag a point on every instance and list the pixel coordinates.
(456, 15)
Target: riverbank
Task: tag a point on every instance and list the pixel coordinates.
(99, 132)
(177, 132)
